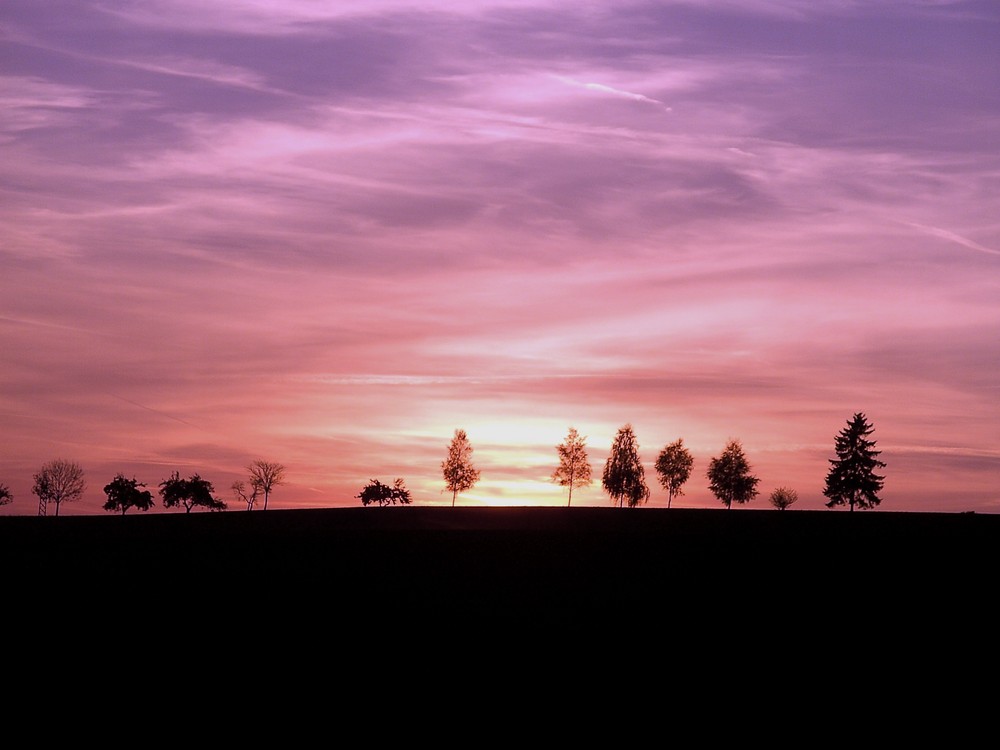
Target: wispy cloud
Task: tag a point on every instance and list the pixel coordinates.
(604, 89)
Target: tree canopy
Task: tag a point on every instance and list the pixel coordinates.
(852, 479)
(624, 479)
(673, 466)
(729, 476)
(57, 482)
(123, 493)
(264, 477)
(783, 497)
(190, 493)
(5, 494)
(574, 468)
(376, 492)
(459, 473)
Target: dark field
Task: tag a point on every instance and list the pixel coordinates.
(400, 567)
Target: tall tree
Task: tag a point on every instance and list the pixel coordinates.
(5, 494)
(125, 493)
(459, 473)
(673, 466)
(574, 468)
(852, 479)
(729, 476)
(57, 482)
(190, 493)
(265, 475)
(624, 479)
(377, 492)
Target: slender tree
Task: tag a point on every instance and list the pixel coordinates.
(5, 494)
(624, 479)
(57, 482)
(852, 479)
(729, 476)
(574, 468)
(265, 475)
(244, 495)
(382, 494)
(459, 473)
(673, 466)
(783, 497)
(125, 493)
(189, 493)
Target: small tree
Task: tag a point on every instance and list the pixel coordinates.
(782, 497)
(852, 479)
(57, 482)
(729, 476)
(673, 466)
(5, 494)
(574, 468)
(624, 479)
(459, 473)
(265, 475)
(189, 493)
(383, 494)
(125, 493)
(246, 496)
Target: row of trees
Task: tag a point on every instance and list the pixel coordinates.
(851, 479)
(61, 481)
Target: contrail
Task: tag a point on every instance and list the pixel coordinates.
(155, 411)
(952, 237)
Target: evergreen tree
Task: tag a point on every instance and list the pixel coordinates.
(673, 466)
(624, 479)
(729, 476)
(852, 479)
(574, 468)
(459, 473)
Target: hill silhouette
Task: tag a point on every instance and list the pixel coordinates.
(513, 565)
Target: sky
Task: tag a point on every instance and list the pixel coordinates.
(329, 234)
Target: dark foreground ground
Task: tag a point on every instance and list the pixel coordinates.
(400, 567)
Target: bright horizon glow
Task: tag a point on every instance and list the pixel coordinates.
(328, 235)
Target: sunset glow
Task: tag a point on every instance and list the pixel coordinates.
(330, 233)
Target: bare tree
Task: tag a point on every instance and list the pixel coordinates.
(240, 490)
(459, 473)
(5, 494)
(673, 466)
(57, 482)
(782, 497)
(574, 469)
(265, 476)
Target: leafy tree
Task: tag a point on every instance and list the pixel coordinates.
(624, 479)
(459, 473)
(574, 468)
(729, 476)
(265, 475)
(126, 493)
(673, 466)
(189, 493)
(852, 479)
(5, 494)
(782, 497)
(377, 492)
(246, 496)
(57, 482)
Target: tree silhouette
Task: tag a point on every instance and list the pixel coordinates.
(264, 476)
(624, 479)
(783, 497)
(377, 492)
(243, 495)
(5, 494)
(574, 468)
(125, 493)
(57, 482)
(189, 493)
(673, 466)
(459, 473)
(852, 479)
(729, 476)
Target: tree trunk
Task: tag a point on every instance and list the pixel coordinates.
(454, 494)
(570, 501)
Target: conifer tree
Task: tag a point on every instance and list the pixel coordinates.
(852, 479)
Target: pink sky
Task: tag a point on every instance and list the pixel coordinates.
(329, 234)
